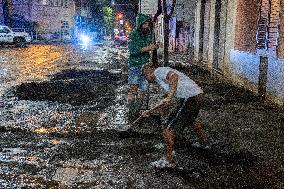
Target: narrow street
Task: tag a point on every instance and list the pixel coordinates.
(63, 116)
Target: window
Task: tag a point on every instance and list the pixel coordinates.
(65, 3)
(64, 24)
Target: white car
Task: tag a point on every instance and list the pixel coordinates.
(8, 36)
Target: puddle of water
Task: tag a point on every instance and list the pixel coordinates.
(12, 155)
(12, 181)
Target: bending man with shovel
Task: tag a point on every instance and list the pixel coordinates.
(179, 109)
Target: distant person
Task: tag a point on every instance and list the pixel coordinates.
(140, 45)
(179, 109)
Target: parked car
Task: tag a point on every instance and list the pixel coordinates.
(8, 36)
(120, 40)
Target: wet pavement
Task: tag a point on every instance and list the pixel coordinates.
(63, 116)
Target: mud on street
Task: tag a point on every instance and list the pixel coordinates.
(63, 116)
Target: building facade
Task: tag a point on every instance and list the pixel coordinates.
(181, 24)
(46, 18)
(1, 12)
(232, 37)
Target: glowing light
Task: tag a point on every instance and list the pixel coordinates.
(85, 39)
(119, 16)
(43, 130)
(55, 142)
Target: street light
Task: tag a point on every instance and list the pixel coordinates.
(122, 4)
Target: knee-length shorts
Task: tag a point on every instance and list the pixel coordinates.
(136, 77)
(183, 113)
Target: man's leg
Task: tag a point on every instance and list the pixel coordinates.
(198, 128)
(132, 93)
(132, 102)
(194, 105)
(169, 138)
(142, 90)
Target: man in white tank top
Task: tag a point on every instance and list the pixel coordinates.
(180, 108)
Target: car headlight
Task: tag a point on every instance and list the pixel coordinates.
(85, 39)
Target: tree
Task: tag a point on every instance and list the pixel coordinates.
(108, 19)
(98, 13)
(167, 17)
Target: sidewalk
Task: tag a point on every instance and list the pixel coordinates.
(245, 134)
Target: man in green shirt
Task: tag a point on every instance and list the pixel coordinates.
(140, 45)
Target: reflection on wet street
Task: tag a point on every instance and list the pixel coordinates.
(50, 92)
(63, 124)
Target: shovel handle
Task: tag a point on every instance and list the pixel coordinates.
(136, 120)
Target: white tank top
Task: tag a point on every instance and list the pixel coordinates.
(186, 87)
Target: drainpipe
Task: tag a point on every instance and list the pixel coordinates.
(263, 64)
(262, 80)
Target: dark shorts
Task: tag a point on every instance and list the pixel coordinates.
(184, 113)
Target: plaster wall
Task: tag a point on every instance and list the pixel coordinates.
(197, 30)
(229, 39)
(245, 68)
(280, 47)
(50, 18)
(246, 25)
(211, 34)
(241, 62)
(206, 31)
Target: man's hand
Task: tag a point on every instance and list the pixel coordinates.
(146, 113)
(149, 48)
(152, 46)
(165, 102)
(158, 108)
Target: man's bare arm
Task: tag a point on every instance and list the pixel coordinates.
(173, 82)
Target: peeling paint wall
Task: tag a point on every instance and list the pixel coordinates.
(280, 48)
(197, 30)
(237, 57)
(211, 33)
(50, 18)
(243, 62)
(230, 27)
(245, 66)
(246, 25)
